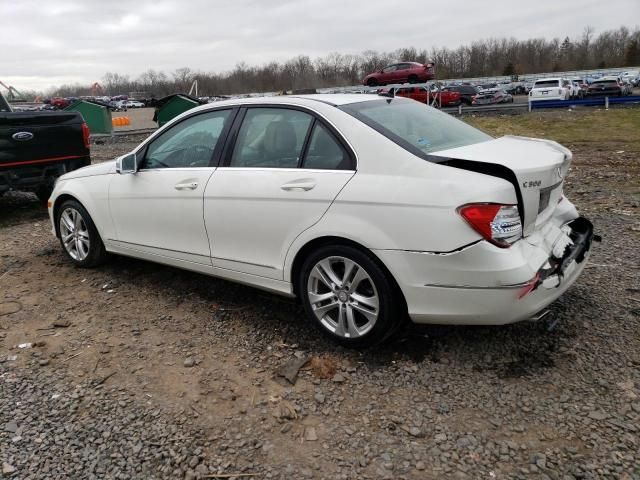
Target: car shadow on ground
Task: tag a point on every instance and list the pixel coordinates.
(516, 350)
(17, 207)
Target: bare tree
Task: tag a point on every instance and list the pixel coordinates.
(489, 57)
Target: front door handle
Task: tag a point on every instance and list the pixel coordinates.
(186, 186)
(298, 186)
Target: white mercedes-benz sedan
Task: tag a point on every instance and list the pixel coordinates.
(368, 209)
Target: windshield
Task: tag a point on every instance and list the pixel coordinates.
(414, 126)
(546, 83)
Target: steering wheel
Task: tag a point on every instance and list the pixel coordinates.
(195, 155)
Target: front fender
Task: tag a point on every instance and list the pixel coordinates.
(93, 193)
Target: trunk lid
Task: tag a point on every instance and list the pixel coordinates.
(535, 167)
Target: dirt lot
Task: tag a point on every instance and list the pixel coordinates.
(139, 118)
(144, 371)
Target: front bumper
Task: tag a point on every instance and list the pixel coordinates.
(486, 285)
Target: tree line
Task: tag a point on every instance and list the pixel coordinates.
(482, 58)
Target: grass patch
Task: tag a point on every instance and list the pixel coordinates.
(617, 128)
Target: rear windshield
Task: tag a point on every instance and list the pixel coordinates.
(546, 83)
(605, 82)
(414, 126)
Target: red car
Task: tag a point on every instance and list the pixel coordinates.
(411, 72)
(422, 95)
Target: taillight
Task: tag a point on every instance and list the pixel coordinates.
(85, 135)
(498, 224)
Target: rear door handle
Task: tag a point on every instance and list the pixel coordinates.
(186, 186)
(298, 186)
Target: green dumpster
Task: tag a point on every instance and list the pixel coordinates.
(97, 116)
(168, 108)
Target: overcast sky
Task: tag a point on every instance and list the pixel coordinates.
(52, 42)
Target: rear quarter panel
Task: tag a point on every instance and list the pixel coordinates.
(397, 201)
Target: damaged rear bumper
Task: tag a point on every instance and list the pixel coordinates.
(485, 285)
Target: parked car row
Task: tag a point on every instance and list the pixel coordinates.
(451, 96)
(431, 96)
(576, 88)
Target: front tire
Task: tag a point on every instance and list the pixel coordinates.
(79, 237)
(372, 82)
(412, 79)
(349, 297)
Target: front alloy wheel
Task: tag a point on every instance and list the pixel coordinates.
(79, 236)
(74, 234)
(349, 296)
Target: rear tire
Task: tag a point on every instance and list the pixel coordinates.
(79, 236)
(349, 297)
(412, 79)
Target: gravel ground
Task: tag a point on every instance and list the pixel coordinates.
(143, 371)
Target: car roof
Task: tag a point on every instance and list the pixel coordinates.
(334, 99)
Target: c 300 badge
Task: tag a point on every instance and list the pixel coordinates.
(532, 184)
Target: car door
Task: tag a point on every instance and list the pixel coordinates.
(389, 73)
(400, 74)
(403, 72)
(283, 167)
(158, 210)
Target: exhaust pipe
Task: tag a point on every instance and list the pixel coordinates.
(539, 316)
(542, 315)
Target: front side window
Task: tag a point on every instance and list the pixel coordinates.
(418, 129)
(271, 138)
(189, 144)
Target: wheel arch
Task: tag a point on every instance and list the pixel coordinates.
(312, 245)
(56, 208)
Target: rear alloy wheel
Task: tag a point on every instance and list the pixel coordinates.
(413, 79)
(349, 297)
(78, 235)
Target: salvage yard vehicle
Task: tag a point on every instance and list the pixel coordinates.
(467, 92)
(492, 96)
(133, 104)
(38, 147)
(435, 97)
(550, 89)
(369, 210)
(632, 77)
(605, 87)
(411, 72)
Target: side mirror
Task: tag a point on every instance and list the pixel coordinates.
(127, 164)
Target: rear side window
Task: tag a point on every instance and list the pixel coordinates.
(271, 138)
(417, 128)
(325, 152)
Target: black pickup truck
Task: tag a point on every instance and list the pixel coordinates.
(38, 147)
